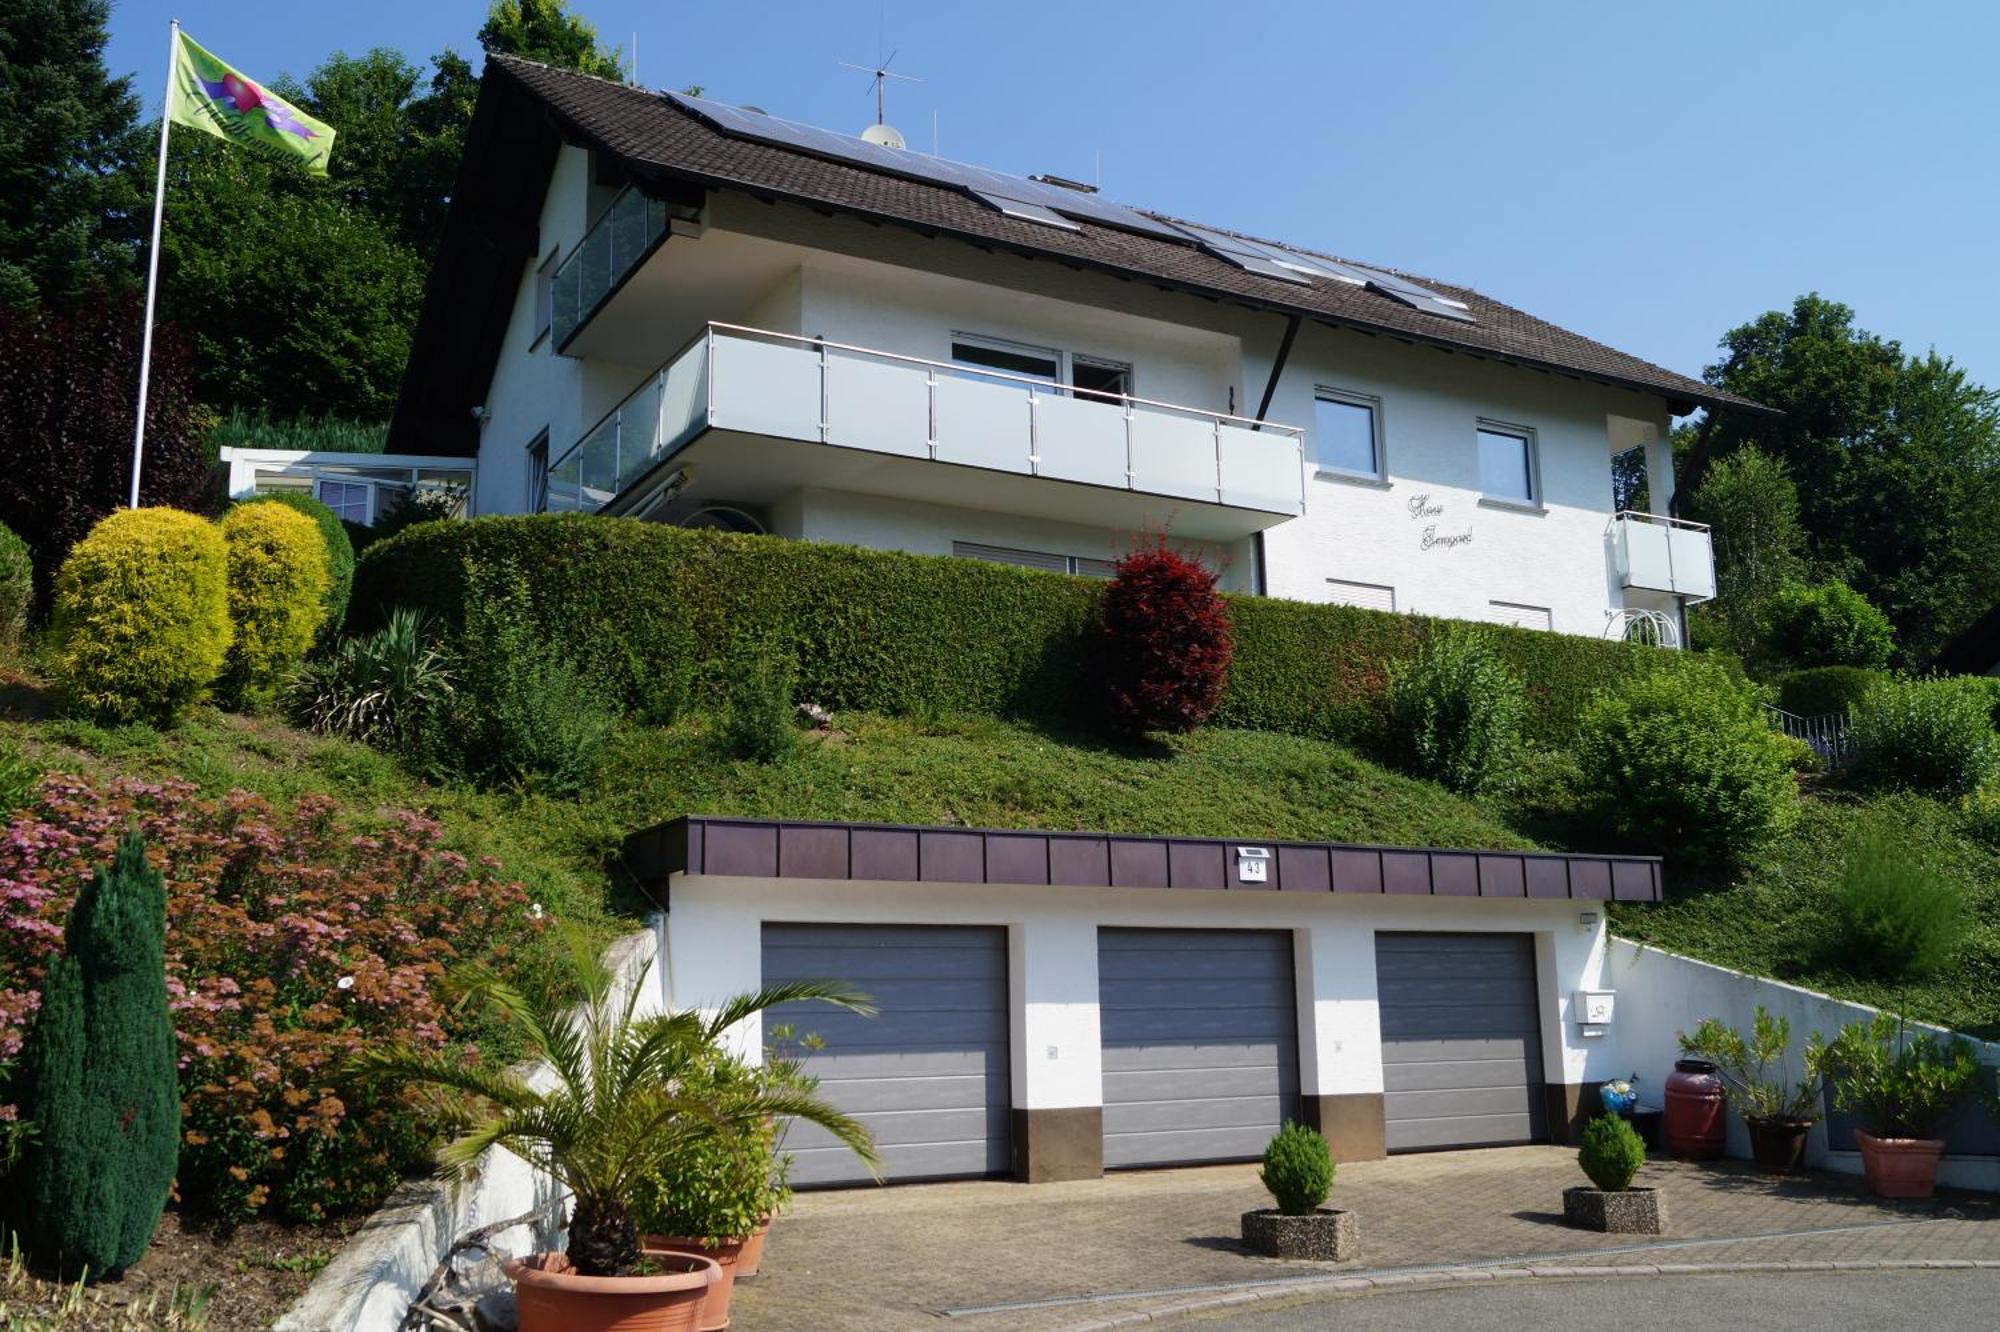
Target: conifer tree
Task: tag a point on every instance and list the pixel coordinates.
(101, 1078)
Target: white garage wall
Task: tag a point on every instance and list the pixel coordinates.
(711, 948)
(1662, 994)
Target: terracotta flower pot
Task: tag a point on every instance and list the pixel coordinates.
(1900, 1167)
(726, 1257)
(1778, 1145)
(751, 1259)
(551, 1297)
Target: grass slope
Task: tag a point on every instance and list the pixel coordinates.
(1776, 918)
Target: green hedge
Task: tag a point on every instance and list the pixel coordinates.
(1819, 690)
(890, 632)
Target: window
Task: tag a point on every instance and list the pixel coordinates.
(1507, 464)
(1011, 358)
(1347, 434)
(347, 499)
(1521, 617)
(1081, 565)
(1368, 596)
(1092, 376)
(538, 474)
(544, 296)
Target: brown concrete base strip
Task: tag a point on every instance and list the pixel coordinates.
(1065, 1143)
(1351, 1122)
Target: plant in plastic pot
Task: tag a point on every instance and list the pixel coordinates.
(1778, 1110)
(1902, 1088)
(1611, 1155)
(1298, 1171)
(621, 1094)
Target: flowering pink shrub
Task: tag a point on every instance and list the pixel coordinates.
(292, 939)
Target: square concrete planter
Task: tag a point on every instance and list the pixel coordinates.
(1327, 1236)
(1625, 1212)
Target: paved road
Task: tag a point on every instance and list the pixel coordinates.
(1938, 1301)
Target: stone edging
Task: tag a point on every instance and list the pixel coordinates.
(1454, 1276)
(370, 1283)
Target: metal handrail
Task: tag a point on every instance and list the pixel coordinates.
(709, 330)
(1667, 520)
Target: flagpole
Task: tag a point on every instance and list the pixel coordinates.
(153, 259)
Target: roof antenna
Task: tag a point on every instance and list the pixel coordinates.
(635, 58)
(881, 132)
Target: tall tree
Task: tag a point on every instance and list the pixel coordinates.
(72, 155)
(545, 30)
(1750, 503)
(1896, 460)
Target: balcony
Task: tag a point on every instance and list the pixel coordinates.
(625, 233)
(756, 413)
(1654, 553)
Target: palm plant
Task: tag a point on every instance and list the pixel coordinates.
(627, 1092)
(376, 688)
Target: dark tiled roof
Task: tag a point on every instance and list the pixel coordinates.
(659, 139)
(899, 853)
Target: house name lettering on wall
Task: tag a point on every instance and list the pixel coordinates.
(1423, 506)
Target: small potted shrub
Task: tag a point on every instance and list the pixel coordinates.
(1901, 1087)
(1778, 1111)
(1611, 1155)
(1298, 1170)
(627, 1096)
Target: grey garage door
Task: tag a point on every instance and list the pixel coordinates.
(928, 1074)
(1201, 1052)
(1461, 1040)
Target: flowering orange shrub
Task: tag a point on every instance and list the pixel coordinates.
(292, 938)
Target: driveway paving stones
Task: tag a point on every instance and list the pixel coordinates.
(1062, 1255)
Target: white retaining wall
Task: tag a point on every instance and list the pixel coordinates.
(1662, 994)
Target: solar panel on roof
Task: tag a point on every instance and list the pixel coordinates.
(1048, 204)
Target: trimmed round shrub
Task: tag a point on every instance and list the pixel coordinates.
(1821, 690)
(339, 557)
(1898, 918)
(1827, 624)
(1682, 764)
(1298, 1169)
(17, 588)
(277, 595)
(761, 724)
(1456, 711)
(1166, 640)
(1926, 735)
(141, 624)
(1612, 1153)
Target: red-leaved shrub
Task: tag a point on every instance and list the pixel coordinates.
(1166, 640)
(292, 938)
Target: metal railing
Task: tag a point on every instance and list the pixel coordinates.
(790, 386)
(1680, 559)
(1826, 733)
(623, 235)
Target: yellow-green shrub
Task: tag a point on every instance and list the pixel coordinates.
(277, 595)
(141, 622)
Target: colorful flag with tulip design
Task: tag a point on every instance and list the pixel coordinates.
(208, 95)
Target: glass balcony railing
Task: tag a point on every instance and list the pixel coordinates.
(624, 234)
(784, 386)
(1655, 553)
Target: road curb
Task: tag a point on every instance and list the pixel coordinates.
(1500, 1271)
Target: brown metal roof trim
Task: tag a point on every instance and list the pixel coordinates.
(898, 853)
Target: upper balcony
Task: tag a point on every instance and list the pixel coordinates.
(625, 234)
(1654, 553)
(756, 414)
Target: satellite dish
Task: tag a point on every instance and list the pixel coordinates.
(883, 136)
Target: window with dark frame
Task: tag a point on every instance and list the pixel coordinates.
(538, 474)
(1507, 465)
(545, 296)
(1629, 491)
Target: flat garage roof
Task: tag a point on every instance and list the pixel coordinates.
(899, 853)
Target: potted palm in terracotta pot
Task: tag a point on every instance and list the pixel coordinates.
(1778, 1110)
(618, 1095)
(1901, 1087)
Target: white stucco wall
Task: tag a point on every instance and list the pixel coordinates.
(1661, 994)
(929, 529)
(712, 947)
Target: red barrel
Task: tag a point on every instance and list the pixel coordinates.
(1695, 1127)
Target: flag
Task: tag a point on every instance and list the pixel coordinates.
(206, 94)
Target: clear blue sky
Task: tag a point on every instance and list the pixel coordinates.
(1648, 174)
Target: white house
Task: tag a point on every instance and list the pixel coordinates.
(655, 305)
